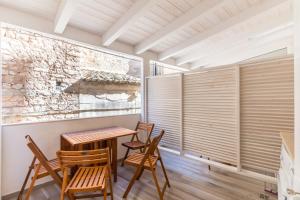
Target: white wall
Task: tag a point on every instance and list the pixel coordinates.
(16, 157)
(297, 93)
(0, 114)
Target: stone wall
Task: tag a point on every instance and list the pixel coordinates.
(37, 69)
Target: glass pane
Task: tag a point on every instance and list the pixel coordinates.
(159, 69)
(46, 78)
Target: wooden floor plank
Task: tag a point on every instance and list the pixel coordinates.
(190, 180)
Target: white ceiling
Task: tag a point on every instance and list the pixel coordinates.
(198, 32)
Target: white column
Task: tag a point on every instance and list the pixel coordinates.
(0, 113)
(145, 72)
(297, 93)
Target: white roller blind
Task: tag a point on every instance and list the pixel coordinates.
(164, 108)
(231, 114)
(266, 109)
(210, 120)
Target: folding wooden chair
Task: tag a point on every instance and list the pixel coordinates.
(41, 169)
(148, 161)
(93, 174)
(135, 142)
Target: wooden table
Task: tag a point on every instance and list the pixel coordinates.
(75, 140)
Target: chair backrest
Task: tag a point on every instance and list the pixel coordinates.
(42, 158)
(154, 143)
(35, 149)
(89, 157)
(147, 127)
(143, 126)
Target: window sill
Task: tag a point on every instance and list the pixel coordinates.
(65, 120)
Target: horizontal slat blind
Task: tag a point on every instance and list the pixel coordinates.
(209, 114)
(164, 108)
(231, 114)
(266, 109)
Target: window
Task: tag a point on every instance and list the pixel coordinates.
(46, 78)
(159, 69)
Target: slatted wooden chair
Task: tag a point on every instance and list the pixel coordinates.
(93, 174)
(148, 161)
(42, 168)
(135, 142)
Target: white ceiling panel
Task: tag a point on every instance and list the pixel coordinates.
(42, 8)
(160, 15)
(98, 16)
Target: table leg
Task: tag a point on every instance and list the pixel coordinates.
(114, 147)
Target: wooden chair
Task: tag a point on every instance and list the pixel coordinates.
(93, 173)
(148, 161)
(135, 142)
(41, 169)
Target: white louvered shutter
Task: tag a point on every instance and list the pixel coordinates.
(210, 120)
(164, 108)
(266, 109)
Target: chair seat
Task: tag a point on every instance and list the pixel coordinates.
(134, 145)
(88, 179)
(135, 159)
(54, 164)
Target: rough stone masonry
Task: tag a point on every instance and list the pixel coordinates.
(37, 69)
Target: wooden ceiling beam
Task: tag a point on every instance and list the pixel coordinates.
(266, 48)
(64, 13)
(263, 27)
(136, 11)
(183, 21)
(248, 49)
(199, 39)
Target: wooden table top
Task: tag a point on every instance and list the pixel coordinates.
(288, 141)
(89, 136)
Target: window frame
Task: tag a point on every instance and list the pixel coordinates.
(83, 45)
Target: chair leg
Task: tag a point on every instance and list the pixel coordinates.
(111, 188)
(64, 185)
(32, 182)
(157, 184)
(126, 154)
(163, 167)
(110, 184)
(26, 179)
(165, 172)
(139, 176)
(62, 195)
(137, 172)
(105, 192)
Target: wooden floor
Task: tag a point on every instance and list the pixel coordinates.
(190, 180)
